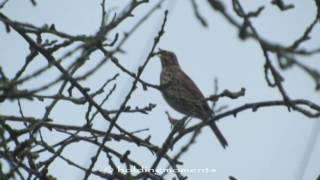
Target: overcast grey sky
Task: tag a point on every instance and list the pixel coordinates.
(268, 144)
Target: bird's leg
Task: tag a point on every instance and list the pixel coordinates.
(178, 124)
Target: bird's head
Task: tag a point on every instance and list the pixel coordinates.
(167, 58)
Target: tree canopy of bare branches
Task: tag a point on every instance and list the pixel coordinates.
(30, 144)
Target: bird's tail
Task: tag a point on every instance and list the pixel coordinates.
(219, 135)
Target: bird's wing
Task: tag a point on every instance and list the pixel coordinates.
(193, 92)
(191, 87)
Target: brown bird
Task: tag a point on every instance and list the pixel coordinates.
(182, 94)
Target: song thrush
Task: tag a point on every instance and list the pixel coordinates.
(182, 94)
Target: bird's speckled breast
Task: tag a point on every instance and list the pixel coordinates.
(173, 92)
(165, 76)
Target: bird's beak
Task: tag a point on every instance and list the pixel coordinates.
(159, 49)
(161, 53)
